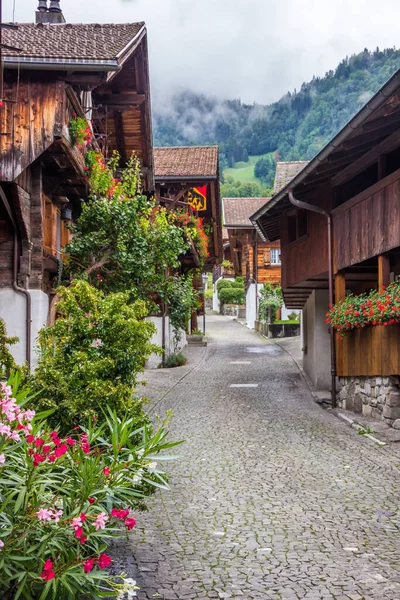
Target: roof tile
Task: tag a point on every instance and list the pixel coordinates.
(285, 171)
(237, 211)
(186, 161)
(70, 41)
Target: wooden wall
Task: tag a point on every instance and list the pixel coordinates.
(368, 224)
(307, 257)
(371, 351)
(28, 126)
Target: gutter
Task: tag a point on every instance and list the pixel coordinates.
(15, 274)
(321, 211)
(193, 178)
(376, 102)
(55, 64)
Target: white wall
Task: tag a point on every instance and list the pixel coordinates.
(252, 304)
(285, 312)
(316, 339)
(155, 359)
(216, 302)
(13, 311)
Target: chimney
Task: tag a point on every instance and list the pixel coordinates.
(49, 15)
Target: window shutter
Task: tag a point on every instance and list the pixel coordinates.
(267, 257)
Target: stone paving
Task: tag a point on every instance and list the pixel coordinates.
(273, 497)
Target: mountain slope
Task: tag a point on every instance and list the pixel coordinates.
(294, 128)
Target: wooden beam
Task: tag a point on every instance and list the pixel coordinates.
(370, 136)
(340, 287)
(215, 219)
(124, 99)
(392, 119)
(177, 198)
(368, 159)
(120, 136)
(383, 270)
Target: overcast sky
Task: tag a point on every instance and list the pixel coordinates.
(255, 50)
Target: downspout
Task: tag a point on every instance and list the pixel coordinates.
(316, 209)
(256, 273)
(15, 275)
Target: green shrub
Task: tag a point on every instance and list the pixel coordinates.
(239, 279)
(223, 283)
(175, 360)
(233, 295)
(92, 355)
(238, 284)
(7, 362)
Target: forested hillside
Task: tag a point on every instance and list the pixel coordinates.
(294, 128)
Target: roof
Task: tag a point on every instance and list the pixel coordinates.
(237, 211)
(374, 124)
(186, 161)
(285, 171)
(82, 42)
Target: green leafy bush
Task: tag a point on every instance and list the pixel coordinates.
(92, 355)
(238, 284)
(175, 360)
(62, 500)
(271, 299)
(232, 295)
(7, 361)
(223, 283)
(182, 300)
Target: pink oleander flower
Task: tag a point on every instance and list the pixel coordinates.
(2, 459)
(76, 522)
(1, 544)
(83, 517)
(79, 532)
(14, 436)
(5, 429)
(70, 441)
(104, 561)
(28, 415)
(44, 514)
(48, 565)
(48, 575)
(61, 450)
(101, 521)
(88, 565)
(57, 516)
(106, 471)
(130, 523)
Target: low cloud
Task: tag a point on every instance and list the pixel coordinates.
(255, 50)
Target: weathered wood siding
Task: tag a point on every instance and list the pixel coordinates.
(29, 125)
(307, 257)
(368, 224)
(371, 351)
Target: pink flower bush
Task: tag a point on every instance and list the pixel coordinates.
(55, 514)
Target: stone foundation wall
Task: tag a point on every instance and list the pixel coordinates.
(377, 397)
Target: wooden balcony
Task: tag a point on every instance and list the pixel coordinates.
(371, 351)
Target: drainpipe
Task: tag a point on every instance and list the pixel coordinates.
(316, 209)
(15, 275)
(256, 272)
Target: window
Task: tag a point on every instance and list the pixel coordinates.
(275, 257)
(297, 225)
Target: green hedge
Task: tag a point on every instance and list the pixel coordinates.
(223, 283)
(232, 295)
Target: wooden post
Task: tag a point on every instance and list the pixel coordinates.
(383, 270)
(340, 287)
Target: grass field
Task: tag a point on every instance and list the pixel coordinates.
(243, 171)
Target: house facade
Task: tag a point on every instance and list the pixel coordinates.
(255, 260)
(338, 221)
(49, 80)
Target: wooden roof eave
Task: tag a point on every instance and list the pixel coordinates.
(332, 149)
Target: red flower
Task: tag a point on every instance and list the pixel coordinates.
(61, 450)
(119, 514)
(48, 565)
(104, 561)
(130, 523)
(79, 532)
(92, 500)
(39, 442)
(88, 565)
(52, 458)
(48, 575)
(30, 438)
(38, 458)
(70, 441)
(83, 517)
(46, 449)
(106, 471)
(82, 539)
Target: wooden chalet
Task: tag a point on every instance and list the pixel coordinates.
(187, 178)
(338, 221)
(254, 259)
(53, 72)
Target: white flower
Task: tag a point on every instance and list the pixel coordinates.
(152, 466)
(2, 459)
(1, 543)
(136, 478)
(140, 452)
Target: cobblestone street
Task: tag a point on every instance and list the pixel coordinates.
(273, 497)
